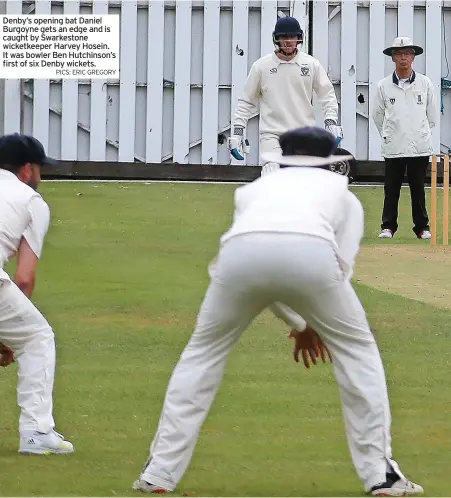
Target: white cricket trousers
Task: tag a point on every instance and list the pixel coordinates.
(27, 333)
(252, 272)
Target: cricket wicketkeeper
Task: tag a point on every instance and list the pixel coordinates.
(281, 86)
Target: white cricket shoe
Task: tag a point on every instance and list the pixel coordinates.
(146, 487)
(401, 487)
(425, 234)
(45, 444)
(386, 234)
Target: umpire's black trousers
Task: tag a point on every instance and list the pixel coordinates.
(395, 169)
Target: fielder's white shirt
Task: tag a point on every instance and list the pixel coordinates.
(282, 91)
(23, 213)
(309, 201)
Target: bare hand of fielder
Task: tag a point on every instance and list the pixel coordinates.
(6, 355)
(309, 344)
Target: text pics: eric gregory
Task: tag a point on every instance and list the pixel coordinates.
(59, 46)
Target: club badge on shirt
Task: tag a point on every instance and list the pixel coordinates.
(305, 70)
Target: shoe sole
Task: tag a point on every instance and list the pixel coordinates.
(399, 493)
(45, 452)
(137, 487)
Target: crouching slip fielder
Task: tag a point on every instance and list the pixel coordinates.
(281, 86)
(294, 240)
(25, 335)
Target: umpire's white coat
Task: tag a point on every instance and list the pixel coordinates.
(294, 240)
(405, 117)
(23, 213)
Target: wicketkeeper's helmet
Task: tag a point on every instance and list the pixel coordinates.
(287, 26)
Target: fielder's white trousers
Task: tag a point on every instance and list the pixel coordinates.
(252, 272)
(27, 333)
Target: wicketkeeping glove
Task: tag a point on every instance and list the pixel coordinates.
(237, 144)
(337, 131)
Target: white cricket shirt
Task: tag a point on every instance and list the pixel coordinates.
(23, 213)
(309, 201)
(282, 91)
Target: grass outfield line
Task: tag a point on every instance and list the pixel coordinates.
(197, 182)
(122, 276)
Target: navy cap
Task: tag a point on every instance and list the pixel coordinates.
(308, 146)
(17, 149)
(308, 141)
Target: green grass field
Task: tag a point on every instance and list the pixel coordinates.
(122, 276)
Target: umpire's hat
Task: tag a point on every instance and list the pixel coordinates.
(403, 42)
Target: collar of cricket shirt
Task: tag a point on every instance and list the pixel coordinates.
(294, 60)
(395, 78)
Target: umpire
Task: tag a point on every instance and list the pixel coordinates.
(404, 113)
